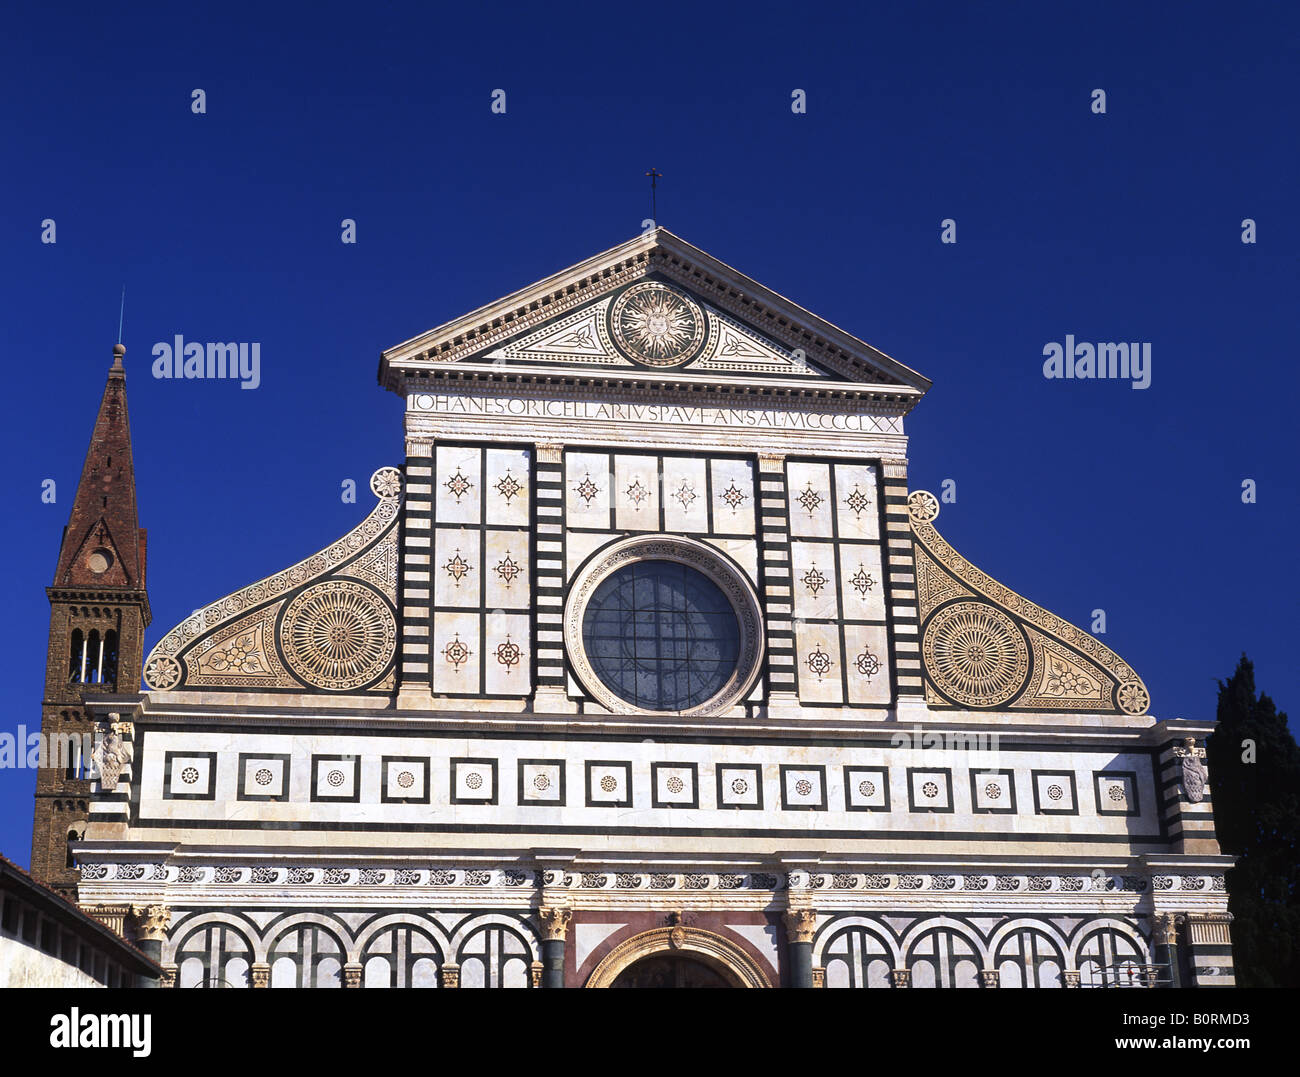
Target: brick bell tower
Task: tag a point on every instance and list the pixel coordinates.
(99, 610)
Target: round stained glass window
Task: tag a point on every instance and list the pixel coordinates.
(661, 636)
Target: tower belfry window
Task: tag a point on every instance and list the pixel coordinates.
(93, 657)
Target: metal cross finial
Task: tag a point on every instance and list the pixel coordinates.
(655, 175)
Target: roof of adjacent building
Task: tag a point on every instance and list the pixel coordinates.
(16, 880)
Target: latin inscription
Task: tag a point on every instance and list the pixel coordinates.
(595, 411)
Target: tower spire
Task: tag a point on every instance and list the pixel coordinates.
(103, 544)
(98, 613)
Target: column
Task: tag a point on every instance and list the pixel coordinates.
(800, 924)
(149, 926)
(555, 929)
(1166, 946)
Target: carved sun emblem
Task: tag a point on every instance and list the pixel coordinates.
(657, 324)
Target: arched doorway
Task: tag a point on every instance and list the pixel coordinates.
(674, 954)
(671, 970)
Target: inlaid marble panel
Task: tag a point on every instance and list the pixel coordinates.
(861, 588)
(813, 579)
(636, 492)
(686, 496)
(857, 512)
(509, 486)
(866, 660)
(457, 567)
(458, 489)
(809, 491)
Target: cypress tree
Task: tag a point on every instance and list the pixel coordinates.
(1254, 766)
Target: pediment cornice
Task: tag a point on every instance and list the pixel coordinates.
(848, 362)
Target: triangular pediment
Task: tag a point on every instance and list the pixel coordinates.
(97, 561)
(612, 332)
(653, 308)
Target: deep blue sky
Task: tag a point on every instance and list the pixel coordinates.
(1117, 227)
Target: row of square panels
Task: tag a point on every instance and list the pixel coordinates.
(609, 783)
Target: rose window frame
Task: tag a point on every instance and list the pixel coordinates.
(711, 563)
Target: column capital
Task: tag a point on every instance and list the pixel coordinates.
(550, 452)
(800, 924)
(901, 977)
(149, 922)
(259, 975)
(168, 977)
(555, 921)
(450, 975)
(818, 977)
(990, 978)
(535, 971)
(1070, 978)
(352, 975)
(1166, 925)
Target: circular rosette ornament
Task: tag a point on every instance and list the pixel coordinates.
(386, 483)
(922, 505)
(1133, 698)
(657, 325)
(975, 654)
(338, 635)
(162, 672)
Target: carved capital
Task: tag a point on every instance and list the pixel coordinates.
(800, 924)
(1166, 925)
(535, 973)
(550, 452)
(149, 922)
(450, 975)
(1070, 979)
(352, 975)
(989, 978)
(260, 974)
(555, 922)
(818, 977)
(168, 977)
(901, 977)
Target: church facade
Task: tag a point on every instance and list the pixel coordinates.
(646, 667)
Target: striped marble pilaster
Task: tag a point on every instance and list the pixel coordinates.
(900, 577)
(414, 684)
(774, 550)
(548, 569)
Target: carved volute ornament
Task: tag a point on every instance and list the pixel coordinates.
(149, 922)
(1167, 924)
(800, 924)
(555, 922)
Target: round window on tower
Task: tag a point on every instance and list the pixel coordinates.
(100, 561)
(663, 625)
